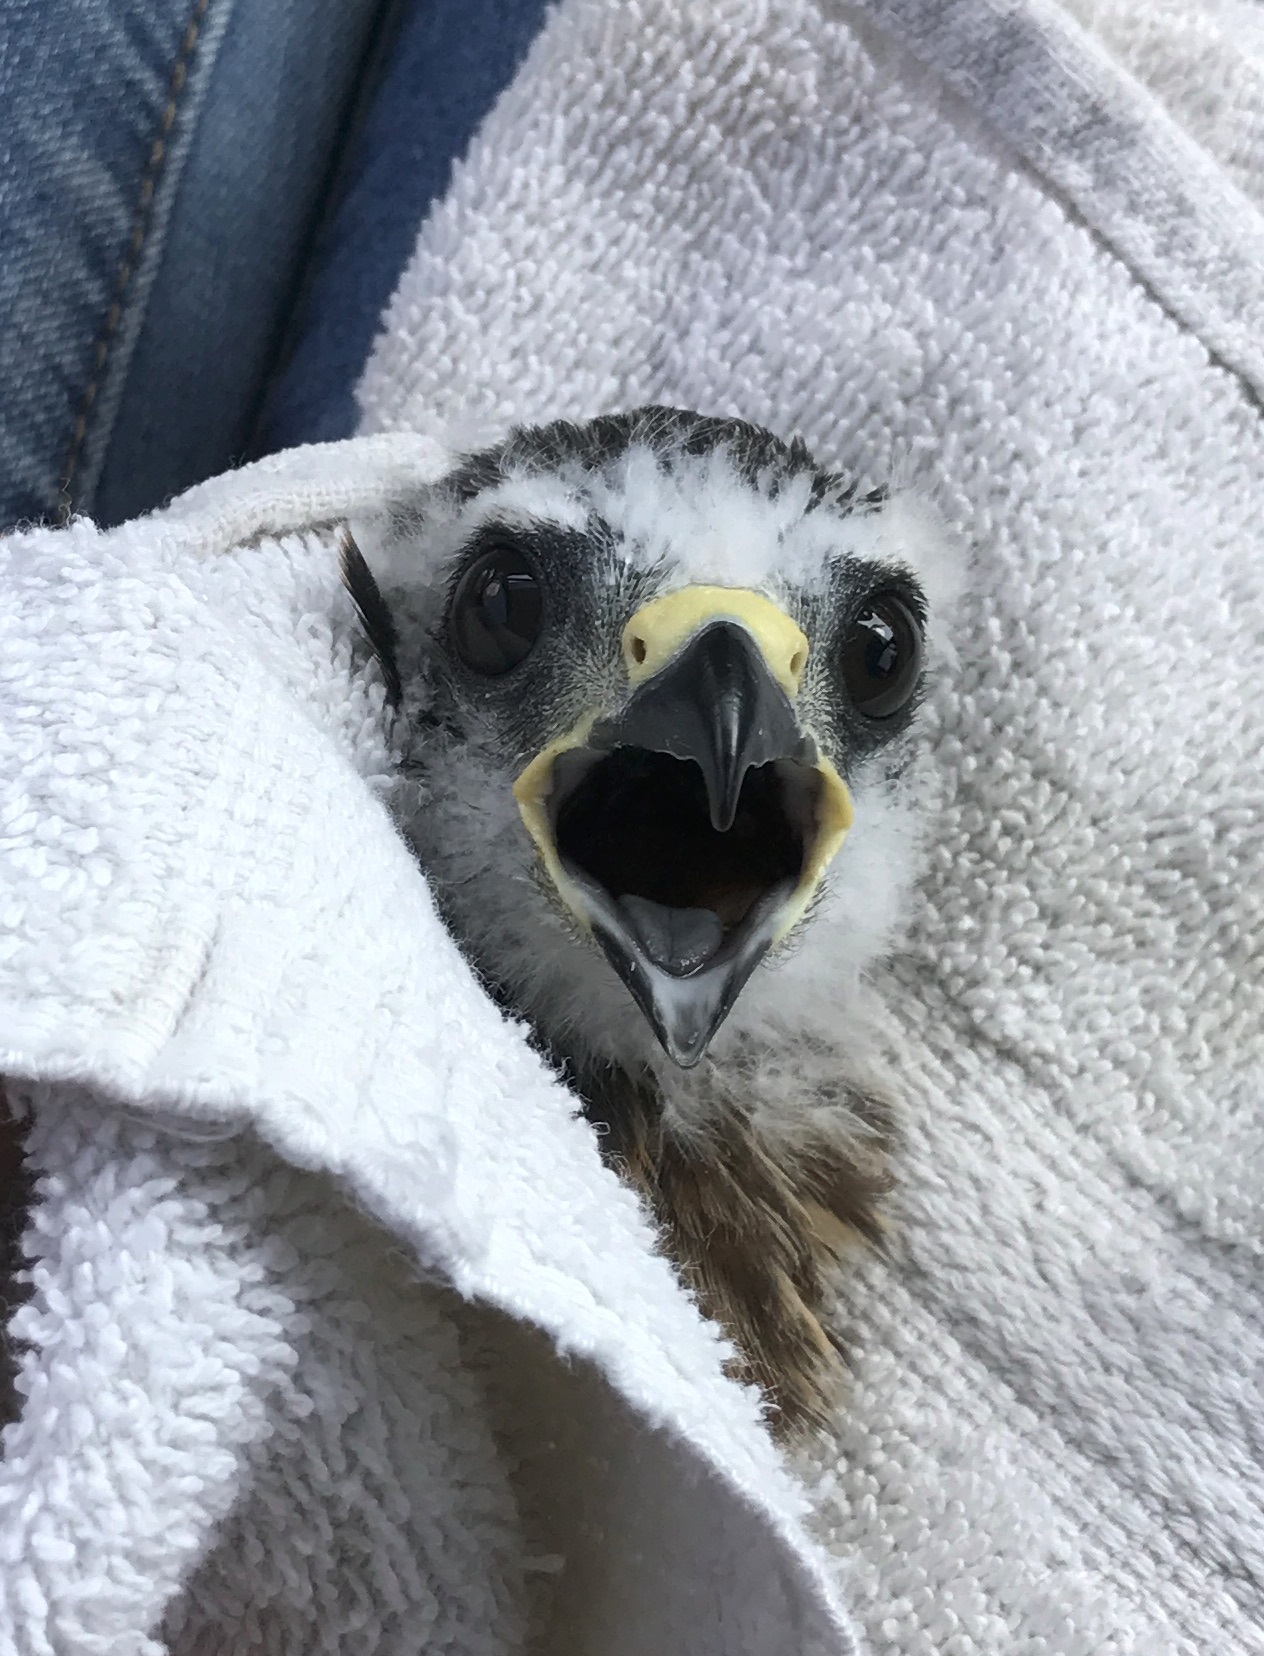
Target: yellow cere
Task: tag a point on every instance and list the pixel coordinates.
(658, 630)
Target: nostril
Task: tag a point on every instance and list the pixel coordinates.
(638, 649)
(796, 663)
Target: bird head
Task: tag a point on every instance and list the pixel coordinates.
(663, 672)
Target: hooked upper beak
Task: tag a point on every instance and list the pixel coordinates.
(690, 828)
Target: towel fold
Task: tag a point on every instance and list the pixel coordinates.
(304, 1195)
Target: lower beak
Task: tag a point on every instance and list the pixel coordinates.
(690, 831)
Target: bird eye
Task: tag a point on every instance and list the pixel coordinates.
(882, 656)
(497, 611)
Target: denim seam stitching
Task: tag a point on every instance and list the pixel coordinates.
(141, 220)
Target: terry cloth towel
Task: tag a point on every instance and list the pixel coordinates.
(341, 1338)
(1013, 251)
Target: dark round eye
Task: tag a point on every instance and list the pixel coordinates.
(882, 656)
(497, 611)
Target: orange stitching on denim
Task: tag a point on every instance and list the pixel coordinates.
(136, 242)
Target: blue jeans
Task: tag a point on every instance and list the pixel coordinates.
(165, 160)
(446, 64)
(168, 167)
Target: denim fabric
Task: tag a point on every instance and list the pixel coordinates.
(268, 136)
(161, 163)
(445, 67)
(84, 140)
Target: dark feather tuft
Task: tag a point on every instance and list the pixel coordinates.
(761, 458)
(757, 1230)
(375, 617)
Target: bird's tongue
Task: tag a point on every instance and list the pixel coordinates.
(683, 967)
(679, 940)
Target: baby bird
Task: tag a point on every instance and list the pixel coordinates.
(661, 674)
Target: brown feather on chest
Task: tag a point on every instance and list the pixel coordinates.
(756, 1227)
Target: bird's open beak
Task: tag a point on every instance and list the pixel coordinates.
(689, 829)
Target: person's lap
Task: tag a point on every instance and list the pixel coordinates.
(163, 161)
(166, 162)
(445, 67)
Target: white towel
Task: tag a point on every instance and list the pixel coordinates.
(341, 1338)
(955, 239)
(963, 240)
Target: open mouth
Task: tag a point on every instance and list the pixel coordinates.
(689, 831)
(637, 825)
(698, 905)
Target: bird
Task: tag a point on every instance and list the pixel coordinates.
(662, 676)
